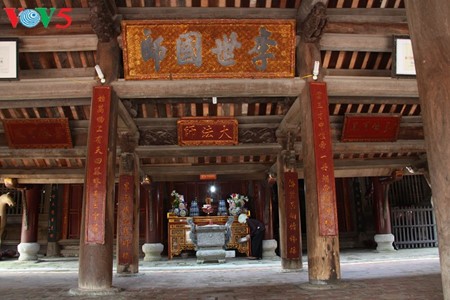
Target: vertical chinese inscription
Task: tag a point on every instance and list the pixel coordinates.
(97, 166)
(292, 214)
(125, 219)
(326, 195)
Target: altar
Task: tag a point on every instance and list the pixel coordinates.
(179, 240)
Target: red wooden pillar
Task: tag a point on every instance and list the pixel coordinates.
(383, 237)
(381, 207)
(322, 223)
(29, 247)
(288, 210)
(97, 226)
(30, 216)
(128, 215)
(153, 246)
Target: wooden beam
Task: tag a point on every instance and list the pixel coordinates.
(177, 151)
(365, 168)
(176, 13)
(357, 72)
(367, 15)
(372, 100)
(18, 103)
(188, 169)
(356, 42)
(42, 174)
(57, 73)
(379, 147)
(367, 28)
(243, 121)
(402, 146)
(58, 43)
(76, 152)
(376, 87)
(290, 87)
(47, 88)
(126, 121)
(208, 88)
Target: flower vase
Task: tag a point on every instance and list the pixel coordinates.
(235, 211)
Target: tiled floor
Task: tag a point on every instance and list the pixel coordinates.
(404, 274)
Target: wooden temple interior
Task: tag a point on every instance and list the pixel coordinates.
(53, 91)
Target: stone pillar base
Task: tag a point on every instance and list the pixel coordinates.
(269, 247)
(152, 251)
(384, 242)
(53, 249)
(28, 251)
(94, 292)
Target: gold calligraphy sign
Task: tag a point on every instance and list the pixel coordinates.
(196, 131)
(171, 49)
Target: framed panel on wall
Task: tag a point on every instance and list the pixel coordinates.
(9, 59)
(402, 57)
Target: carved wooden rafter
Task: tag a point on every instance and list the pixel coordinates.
(103, 20)
(311, 29)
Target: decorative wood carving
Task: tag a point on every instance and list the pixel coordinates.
(257, 135)
(312, 28)
(156, 136)
(102, 20)
(127, 142)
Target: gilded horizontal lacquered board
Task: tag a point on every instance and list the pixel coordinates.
(170, 49)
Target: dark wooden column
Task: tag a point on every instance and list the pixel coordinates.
(30, 216)
(322, 233)
(153, 214)
(128, 215)
(54, 219)
(97, 223)
(381, 206)
(288, 205)
(429, 27)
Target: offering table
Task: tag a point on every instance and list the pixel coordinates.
(179, 230)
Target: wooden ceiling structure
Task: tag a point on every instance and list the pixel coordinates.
(56, 76)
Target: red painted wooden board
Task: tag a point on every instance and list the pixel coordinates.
(371, 128)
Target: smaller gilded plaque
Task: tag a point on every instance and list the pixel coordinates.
(200, 131)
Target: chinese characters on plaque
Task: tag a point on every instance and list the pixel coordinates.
(162, 49)
(292, 214)
(125, 219)
(371, 127)
(326, 195)
(97, 164)
(197, 131)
